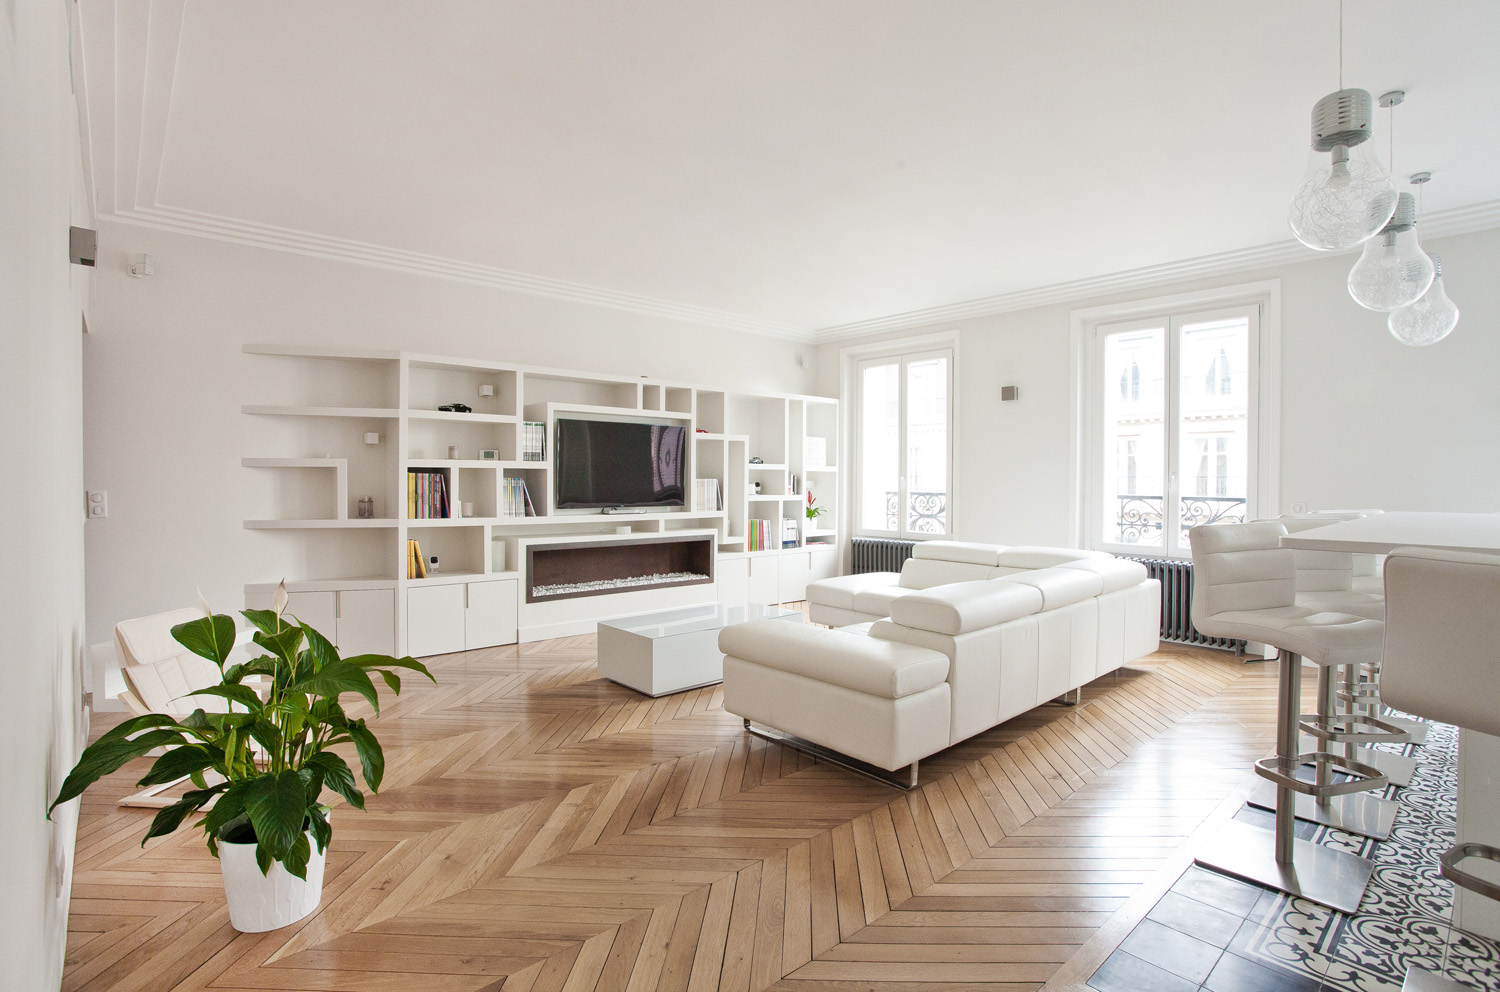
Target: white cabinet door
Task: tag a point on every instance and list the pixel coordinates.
(733, 578)
(490, 617)
(319, 610)
(367, 622)
(794, 569)
(824, 561)
(765, 579)
(434, 620)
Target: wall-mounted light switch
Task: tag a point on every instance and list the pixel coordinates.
(98, 503)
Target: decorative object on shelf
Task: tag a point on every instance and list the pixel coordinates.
(270, 758)
(366, 507)
(372, 437)
(453, 452)
(456, 408)
(468, 509)
(489, 454)
(1392, 271)
(755, 460)
(1431, 318)
(1346, 196)
(813, 510)
(755, 488)
(432, 564)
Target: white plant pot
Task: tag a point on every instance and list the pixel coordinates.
(257, 902)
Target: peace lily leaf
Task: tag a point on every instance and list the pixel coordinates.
(296, 857)
(210, 637)
(371, 757)
(381, 661)
(283, 644)
(265, 621)
(241, 694)
(323, 653)
(277, 804)
(337, 678)
(169, 818)
(180, 762)
(338, 776)
(391, 679)
(108, 755)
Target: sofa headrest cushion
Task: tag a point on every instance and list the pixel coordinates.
(973, 554)
(1116, 573)
(960, 607)
(1032, 557)
(921, 573)
(879, 667)
(1059, 586)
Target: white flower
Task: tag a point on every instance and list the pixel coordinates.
(279, 599)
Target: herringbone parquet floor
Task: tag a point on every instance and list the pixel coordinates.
(543, 829)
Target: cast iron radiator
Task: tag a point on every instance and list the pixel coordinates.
(878, 554)
(1176, 579)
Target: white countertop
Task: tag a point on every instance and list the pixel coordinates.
(1384, 532)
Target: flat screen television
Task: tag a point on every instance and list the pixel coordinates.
(611, 463)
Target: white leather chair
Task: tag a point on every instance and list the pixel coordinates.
(1442, 661)
(159, 673)
(1244, 586)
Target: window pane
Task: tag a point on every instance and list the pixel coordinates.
(1134, 437)
(927, 446)
(880, 446)
(1213, 422)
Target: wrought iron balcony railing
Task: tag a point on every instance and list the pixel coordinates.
(926, 513)
(1139, 518)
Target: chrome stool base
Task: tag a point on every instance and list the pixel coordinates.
(1331, 878)
(1359, 813)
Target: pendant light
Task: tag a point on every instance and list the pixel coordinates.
(1432, 317)
(1346, 196)
(1392, 271)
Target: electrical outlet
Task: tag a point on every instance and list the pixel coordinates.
(1299, 507)
(98, 503)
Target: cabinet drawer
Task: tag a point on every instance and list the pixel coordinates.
(490, 616)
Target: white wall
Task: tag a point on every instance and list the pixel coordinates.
(41, 500)
(1366, 421)
(165, 379)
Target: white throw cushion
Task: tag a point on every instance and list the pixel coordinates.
(964, 606)
(839, 591)
(923, 573)
(865, 664)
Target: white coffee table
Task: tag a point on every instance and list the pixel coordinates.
(675, 650)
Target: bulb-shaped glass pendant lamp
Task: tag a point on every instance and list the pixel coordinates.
(1346, 195)
(1393, 271)
(1428, 320)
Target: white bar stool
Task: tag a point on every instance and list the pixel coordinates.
(1244, 586)
(1442, 662)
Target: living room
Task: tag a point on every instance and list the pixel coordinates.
(654, 275)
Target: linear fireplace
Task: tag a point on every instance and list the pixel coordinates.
(598, 568)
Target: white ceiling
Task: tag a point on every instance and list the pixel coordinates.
(776, 165)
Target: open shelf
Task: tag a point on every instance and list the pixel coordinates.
(363, 413)
(330, 524)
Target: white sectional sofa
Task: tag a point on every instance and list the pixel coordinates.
(965, 637)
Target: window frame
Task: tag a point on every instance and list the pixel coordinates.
(903, 352)
(1086, 403)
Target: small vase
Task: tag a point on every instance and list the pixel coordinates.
(257, 902)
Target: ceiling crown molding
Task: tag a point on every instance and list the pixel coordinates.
(237, 231)
(1444, 223)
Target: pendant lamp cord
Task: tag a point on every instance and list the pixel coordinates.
(1341, 44)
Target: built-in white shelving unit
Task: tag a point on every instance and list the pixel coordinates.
(350, 424)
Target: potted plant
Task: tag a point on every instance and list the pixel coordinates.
(264, 765)
(813, 511)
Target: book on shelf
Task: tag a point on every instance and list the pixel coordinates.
(533, 441)
(789, 533)
(707, 496)
(416, 565)
(515, 498)
(427, 494)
